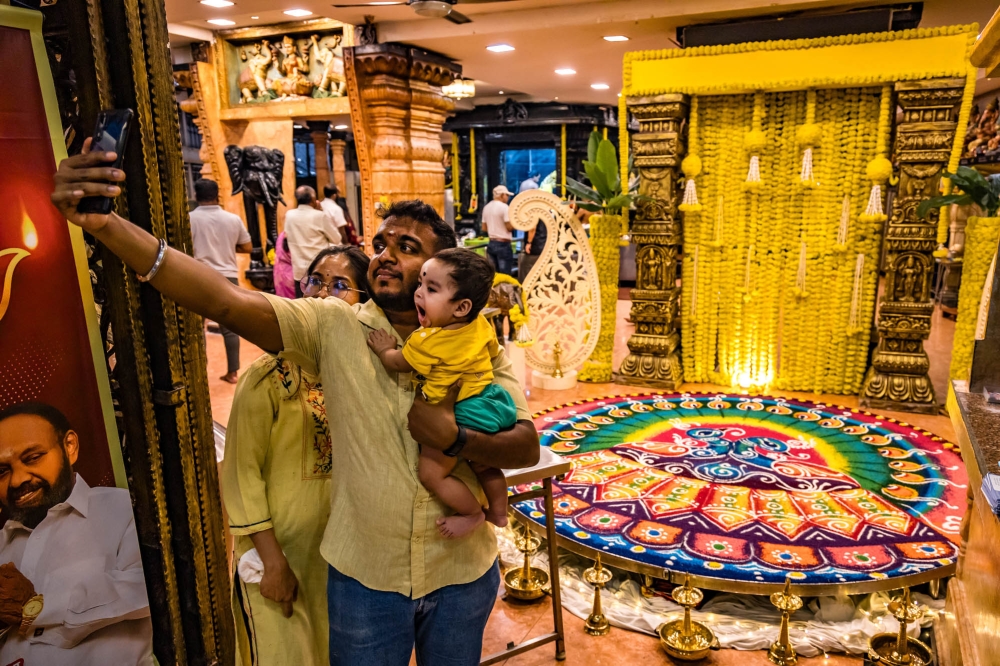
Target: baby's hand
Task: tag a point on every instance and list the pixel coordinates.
(381, 341)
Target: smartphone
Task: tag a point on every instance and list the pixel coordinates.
(110, 135)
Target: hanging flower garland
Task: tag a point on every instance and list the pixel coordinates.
(956, 153)
(981, 235)
(808, 136)
(604, 233)
(691, 165)
(879, 170)
(753, 143)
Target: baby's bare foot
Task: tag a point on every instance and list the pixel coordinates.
(497, 517)
(456, 527)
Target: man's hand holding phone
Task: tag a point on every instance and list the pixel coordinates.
(86, 175)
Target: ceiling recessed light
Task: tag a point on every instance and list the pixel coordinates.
(298, 12)
(221, 22)
(565, 71)
(501, 92)
(218, 3)
(555, 98)
(619, 94)
(340, 127)
(500, 48)
(615, 38)
(254, 17)
(599, 86)
(376, 4)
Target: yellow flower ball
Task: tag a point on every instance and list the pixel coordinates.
(808, 135)
(879, 170)
(691, 166)
(753, 141)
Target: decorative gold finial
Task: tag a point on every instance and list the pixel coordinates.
(598, 576)
(899, 649)
(557, 373)
(782, 653)
(686, 639)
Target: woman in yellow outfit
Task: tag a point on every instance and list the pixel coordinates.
(276, 489)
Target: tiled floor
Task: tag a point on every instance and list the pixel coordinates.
(516, 623)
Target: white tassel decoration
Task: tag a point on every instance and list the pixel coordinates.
(856, 293)
(845, 219)
(690, 193)
(753, 176)
(694, 280)
(800, 276)
(806, 175)
(874, 209)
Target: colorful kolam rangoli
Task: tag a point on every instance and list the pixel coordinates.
(754, 490)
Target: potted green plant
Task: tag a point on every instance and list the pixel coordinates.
(609, 200)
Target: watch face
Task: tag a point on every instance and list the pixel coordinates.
(33, 607)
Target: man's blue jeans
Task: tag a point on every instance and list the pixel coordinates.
(373, 628)
(502, 255)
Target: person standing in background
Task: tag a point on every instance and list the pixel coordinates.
(531, 183)
(496, 223)
(308, 230)
(331, 208)
(284, 282)
(217, 235)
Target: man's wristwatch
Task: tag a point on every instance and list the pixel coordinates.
(30, 612)
(459, 444)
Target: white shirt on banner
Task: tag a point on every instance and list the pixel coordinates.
(83, 558)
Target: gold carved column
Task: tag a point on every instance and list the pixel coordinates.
(321, 144)
(338, 165)
(898, 377)
(397, 111)
(654, 348)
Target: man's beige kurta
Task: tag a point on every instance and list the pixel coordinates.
(382, 530)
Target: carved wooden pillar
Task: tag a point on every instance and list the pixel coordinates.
(121, 60)
(897, 378)
(338, 166)
(397, 110)
(320, 143)
(654, 348)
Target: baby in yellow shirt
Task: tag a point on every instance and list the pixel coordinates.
(454, 342)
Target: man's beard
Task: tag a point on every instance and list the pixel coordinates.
(51, 495)
(401, 301)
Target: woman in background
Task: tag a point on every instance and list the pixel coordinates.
(276, 489)
(284, 282)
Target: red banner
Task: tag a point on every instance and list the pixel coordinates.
(46, 349)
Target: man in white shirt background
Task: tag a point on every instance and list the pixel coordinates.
(71, 582)
(217, 236)
(308, 230)
(496, 223)
(332, 208)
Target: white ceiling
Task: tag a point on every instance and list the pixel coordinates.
(546, 34)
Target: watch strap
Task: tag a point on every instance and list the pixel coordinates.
(460, 440)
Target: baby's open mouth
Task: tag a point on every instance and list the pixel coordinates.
(421, 313)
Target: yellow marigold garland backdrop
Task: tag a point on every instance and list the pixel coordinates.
(780, 264)
(605, 231)
(751, 316)
(981, 237)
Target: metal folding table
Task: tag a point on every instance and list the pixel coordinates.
(549, 466)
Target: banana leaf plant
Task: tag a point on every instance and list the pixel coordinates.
(605, 193)
(971, 188)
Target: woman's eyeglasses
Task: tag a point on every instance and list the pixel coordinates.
(312, 286)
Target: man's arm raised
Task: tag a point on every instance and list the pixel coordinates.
(187, 282)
